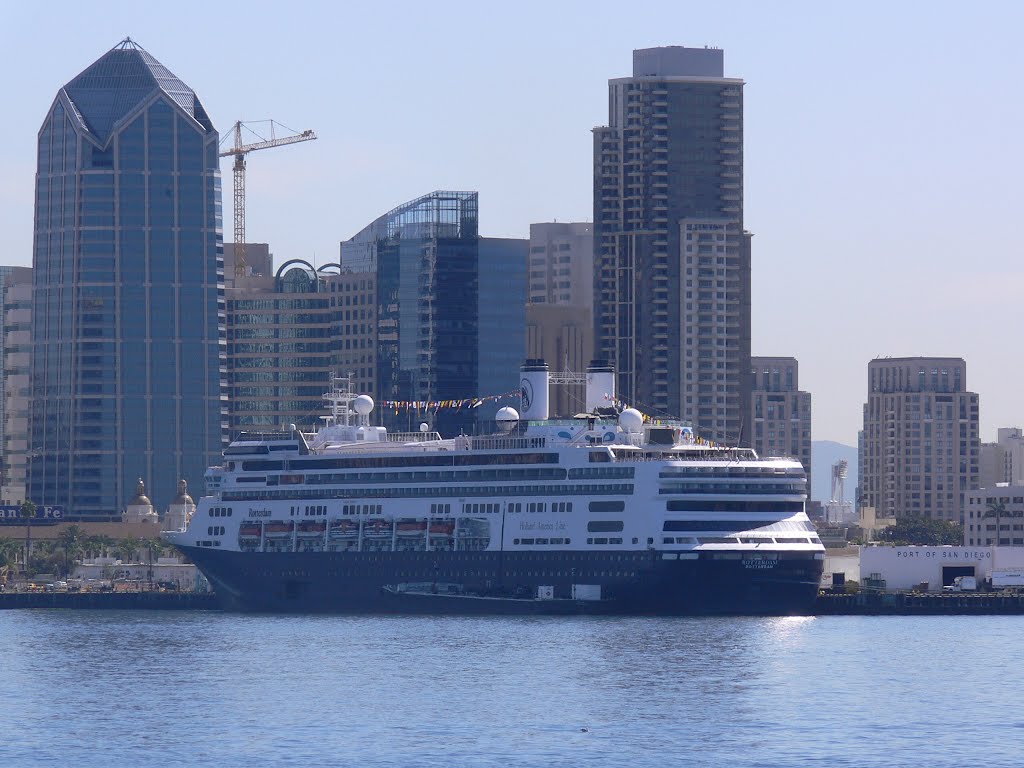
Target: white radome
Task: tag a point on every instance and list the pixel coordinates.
(362, 405)
(506, 417)
(631, 420)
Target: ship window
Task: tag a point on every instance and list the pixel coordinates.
(607, 506)
(604, 526)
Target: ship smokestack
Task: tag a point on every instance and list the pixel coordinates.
(535, 380)
(600, 385)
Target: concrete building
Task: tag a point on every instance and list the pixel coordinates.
(15, 368)
(559, 316)
(128, 321)
(920, 451)
(671, 257)
(995, 508)
(904, 568)
(1003, 460)
(562, 264)
(259, 262)
(280, 347)
(782, 413)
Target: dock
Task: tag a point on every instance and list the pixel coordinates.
(112, 601)
(919, 604)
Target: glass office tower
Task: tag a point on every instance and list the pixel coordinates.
(424, 256)
(128, 310)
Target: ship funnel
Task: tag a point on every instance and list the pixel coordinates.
(600, 385)
(535, 379)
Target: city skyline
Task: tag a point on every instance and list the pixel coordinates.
(874, 190)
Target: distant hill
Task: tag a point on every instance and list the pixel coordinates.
(825, 453)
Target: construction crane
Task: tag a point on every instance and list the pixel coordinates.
(239, 151)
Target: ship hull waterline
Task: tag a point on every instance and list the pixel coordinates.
(498, 583)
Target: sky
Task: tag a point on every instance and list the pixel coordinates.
(882, 146)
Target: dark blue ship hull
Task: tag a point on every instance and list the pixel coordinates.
(444, 582)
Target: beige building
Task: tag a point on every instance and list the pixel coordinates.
(561, 267)
(15, 358)
(559, 312)
(782, 413)
(997, 508)
(920, 450)
(1003, 460)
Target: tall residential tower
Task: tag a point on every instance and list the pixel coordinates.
(920, 451)
(671, 257)
(128, 316)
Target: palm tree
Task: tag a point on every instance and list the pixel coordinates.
(996, 509)
(71, 540)
(125, 549)
(9, 550)
(28, 511)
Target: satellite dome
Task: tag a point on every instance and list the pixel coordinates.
(506, 417)
(631, 420)
(362, 405)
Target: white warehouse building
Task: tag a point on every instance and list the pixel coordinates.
(907, 567)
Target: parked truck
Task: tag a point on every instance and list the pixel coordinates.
(1008, 578)
(962, 584)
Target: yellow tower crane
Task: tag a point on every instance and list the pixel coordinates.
(240, 150)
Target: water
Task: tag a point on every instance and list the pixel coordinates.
(142, 688)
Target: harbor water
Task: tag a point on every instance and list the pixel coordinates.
(154, 688)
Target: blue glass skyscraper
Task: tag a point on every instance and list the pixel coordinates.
(128, 308)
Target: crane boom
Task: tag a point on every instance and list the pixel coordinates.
(239, 151)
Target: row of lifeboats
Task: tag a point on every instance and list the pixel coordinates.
(347, 528)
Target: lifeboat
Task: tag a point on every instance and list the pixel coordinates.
(249, 530)
(312, 527)
(344, 528)
(442, 528)
(279, 528)
(411, 528)
(377, 528)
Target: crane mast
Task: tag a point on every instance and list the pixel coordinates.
(239, 151)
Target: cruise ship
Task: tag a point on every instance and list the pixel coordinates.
(607, 512)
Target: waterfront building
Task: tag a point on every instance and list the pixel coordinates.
(279, 359)
(559, 315)
(1003, 460)
(354, 328)
(671, 258)
(435, 339)
(920, 451)
(782, 413)
(128, 320)
(15, 362)
(997, 508)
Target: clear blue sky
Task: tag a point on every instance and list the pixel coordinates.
(883, 145)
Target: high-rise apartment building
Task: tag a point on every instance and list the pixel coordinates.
(562, 264)
(15, 367)
(444, 330)
(782, 413)
(559, 315)
(671, 257)
(280, 347)
(920, 451)
(128, 316)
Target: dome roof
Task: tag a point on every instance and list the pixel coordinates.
(141, 499)
(183, 497)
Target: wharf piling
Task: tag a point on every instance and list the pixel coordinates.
(919, 604)
(160, 601)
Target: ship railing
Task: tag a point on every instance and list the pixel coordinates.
(413, 437)
(500, 443)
